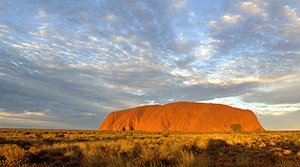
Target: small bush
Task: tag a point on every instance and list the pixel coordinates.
(165, 134)
(2, 140)
(236, 127)
(60, 135)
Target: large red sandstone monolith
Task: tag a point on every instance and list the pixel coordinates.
(182, 116)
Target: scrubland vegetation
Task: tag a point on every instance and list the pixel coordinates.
(72, 148)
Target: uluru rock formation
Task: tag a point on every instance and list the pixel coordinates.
(182, 116)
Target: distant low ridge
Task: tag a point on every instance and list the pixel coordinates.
(183, 116)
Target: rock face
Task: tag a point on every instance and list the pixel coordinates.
(182, 116)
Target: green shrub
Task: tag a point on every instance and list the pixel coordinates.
(236, 127)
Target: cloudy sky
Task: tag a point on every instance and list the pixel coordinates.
(67, 64)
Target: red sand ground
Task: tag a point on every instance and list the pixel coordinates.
(182, 116)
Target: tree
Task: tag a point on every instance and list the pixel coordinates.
(236, 127)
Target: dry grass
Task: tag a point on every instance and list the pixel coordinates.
(92, 148)
(12, 155)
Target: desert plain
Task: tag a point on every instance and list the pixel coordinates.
(42, 148)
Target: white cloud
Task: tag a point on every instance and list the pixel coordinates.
(25, 114)
(93, 38)
(111, 18)
(253, 9)
(181, 72)
(4, 29)
(89, 114)
(256, 107)
(5, 114)
(291, 14)
(138, 92)
(79, 66)
(41, 14)
(178, 4)
(119, 39)
(230, 19)
(150, 102)
(42, 30)
(34, 113)
(123, 88)
(292, 28)
(225, 21)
